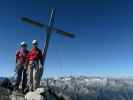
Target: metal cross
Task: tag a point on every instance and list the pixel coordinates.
(49, 29)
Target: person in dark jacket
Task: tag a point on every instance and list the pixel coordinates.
(21, 66)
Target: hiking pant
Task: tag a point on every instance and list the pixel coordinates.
(21, 76)
(35, 71)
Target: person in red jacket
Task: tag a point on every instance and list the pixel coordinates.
(21, 66)
(35, 67)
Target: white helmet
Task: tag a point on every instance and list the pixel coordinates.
(34, 42)
(23, 43)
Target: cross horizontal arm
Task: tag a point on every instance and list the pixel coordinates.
(32, 22)
(61, 32)
(38, 24)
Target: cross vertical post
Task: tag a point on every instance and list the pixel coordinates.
(48, 34)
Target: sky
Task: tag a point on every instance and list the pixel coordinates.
(104, 36)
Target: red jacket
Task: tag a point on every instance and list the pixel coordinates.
(35, 54)
(21, 56)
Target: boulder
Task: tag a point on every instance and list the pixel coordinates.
(17, 96)
(36, 95)
(4, 94)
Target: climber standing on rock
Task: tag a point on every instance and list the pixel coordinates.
(35, 67)
(21, 66)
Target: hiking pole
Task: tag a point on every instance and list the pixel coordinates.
(14, 75)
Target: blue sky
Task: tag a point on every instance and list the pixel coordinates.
(104, 36)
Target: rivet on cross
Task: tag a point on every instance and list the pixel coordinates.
(49, 29)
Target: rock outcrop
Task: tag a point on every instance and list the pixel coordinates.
(4, 94)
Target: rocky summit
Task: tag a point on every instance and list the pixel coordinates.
(78, 88)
